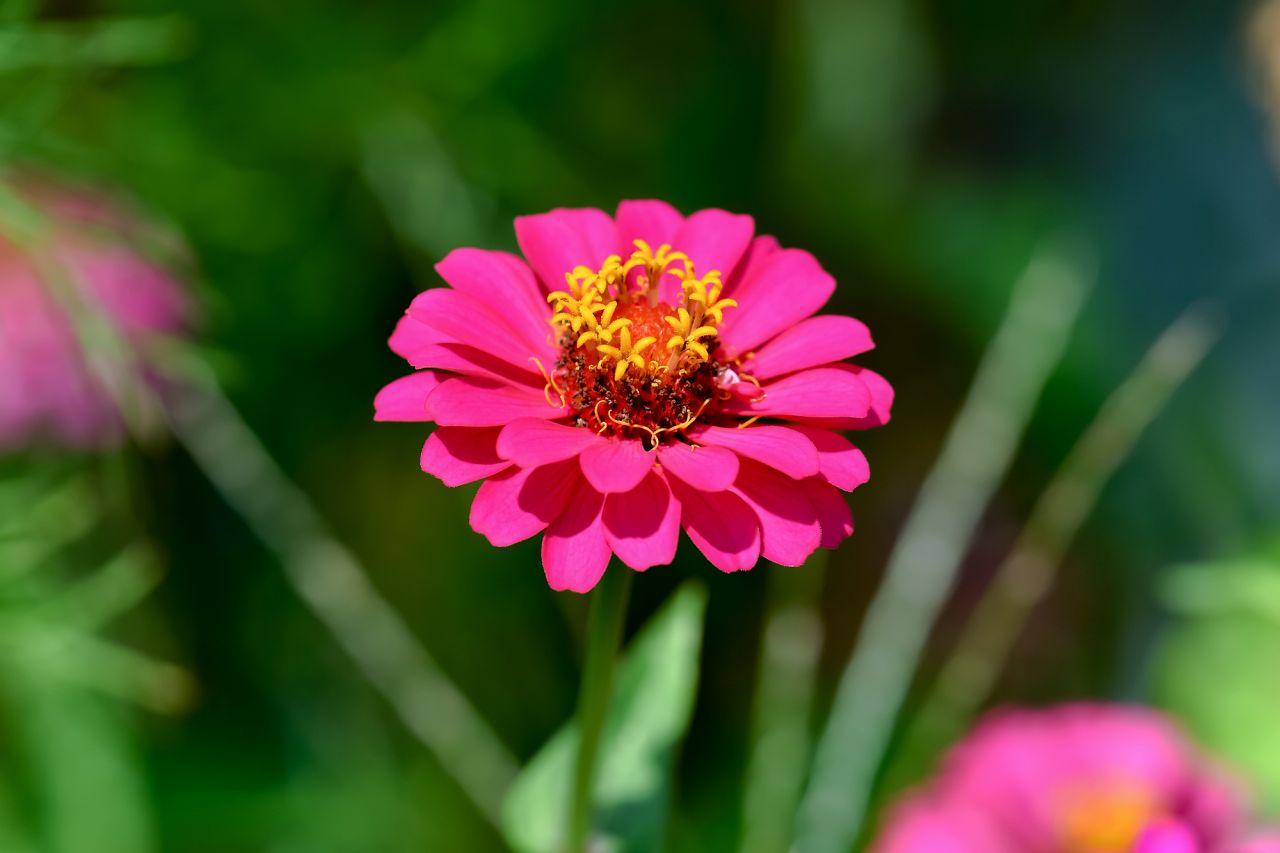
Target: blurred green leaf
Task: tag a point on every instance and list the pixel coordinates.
(1217, 669)
(112, 42)
(652, 706)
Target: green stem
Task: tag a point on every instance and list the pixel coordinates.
(604, 633)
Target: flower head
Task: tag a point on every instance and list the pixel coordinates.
(1074, 779)
(83, 267)
(635, 375)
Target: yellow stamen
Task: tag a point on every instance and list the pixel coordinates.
(626, 353)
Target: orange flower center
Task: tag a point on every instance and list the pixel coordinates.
(630, 362)
(1106, 817)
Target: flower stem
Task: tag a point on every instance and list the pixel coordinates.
(604, 633)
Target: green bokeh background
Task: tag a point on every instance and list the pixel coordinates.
(321, 156)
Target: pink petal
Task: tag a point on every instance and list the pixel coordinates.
(574, 551)
(823, 392)
(843, 465)
(532, 441)
(616, 464)
(468, 320)
(642, 526)
(708, 469)
(458, 455)
(811, 343)
(833, 511)
(412, 335)
(779, 447)
(469, 361)
(405, 399)
(715, 240)
(881, 398)
(721, 525)
(655, 222)
(502, 281)
(1167, 836)
(556, 242)
(757, 256)
(788, 288)
(520, 502)
(476, 401)
(789, 526)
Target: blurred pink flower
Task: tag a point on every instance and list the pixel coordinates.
(607, 389)
(50, 389)
(1073, 779)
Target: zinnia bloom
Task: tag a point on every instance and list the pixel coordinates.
(85, 266)
(636, 375)
(1074, 779)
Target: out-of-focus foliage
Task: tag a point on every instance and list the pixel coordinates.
(1218, 668)
(653, 700)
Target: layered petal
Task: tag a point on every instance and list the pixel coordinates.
(789, 526)
(520, 502)
(788, 287)
(642, 526)
(616, 464)
(821, 393)
(468, 320)
(715, 240)
(720, 525)
(811, 343)
(534, 441)
(881, 398)
(834, 515)
(405, 399)
(655, 222)
(789, 451)
(556, 242)
(709, 469)
(499, 278)
(574, 551)
(458, 455)
(840, 463)
(476, 401)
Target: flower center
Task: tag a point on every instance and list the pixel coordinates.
(1107, 817)
(631, 363)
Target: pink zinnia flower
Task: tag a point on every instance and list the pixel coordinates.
(1074, 779)
(50, 390)
(636, 375)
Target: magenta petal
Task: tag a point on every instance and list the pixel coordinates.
(715, 240)
(655, 222)
(881, 398)
(476, 401)
(708, 469)
(779, 447)
(503, 281)
(574, 551)
(789, 526)
(721, 525)
(405, 399)
(834, 514)
(412, 335)
(532, 441)
(823, 392)
(520, 502)
(843, 465)
(788, 288)
(616, 464)
(458, 455)
(757, 256)
(469, 361)
(470, 321)
(1167, 836)
(556, 242)
(642, 526)
(811, 343)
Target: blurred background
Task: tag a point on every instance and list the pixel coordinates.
(320, 157)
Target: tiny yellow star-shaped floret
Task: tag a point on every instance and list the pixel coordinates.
(626, 353)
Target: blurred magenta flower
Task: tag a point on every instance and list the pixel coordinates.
(84, 266)
(609, 389)
(1076, 779)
